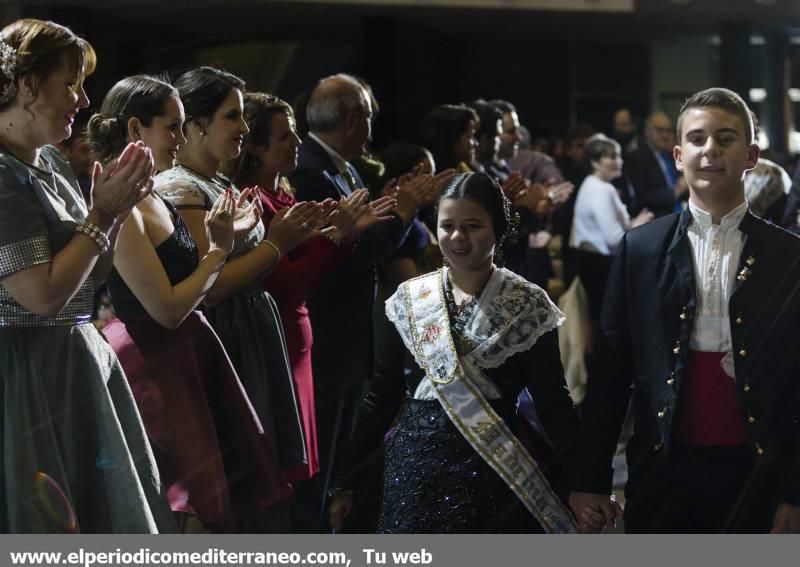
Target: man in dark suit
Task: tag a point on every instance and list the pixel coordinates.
(700, 320)
(339, 115)
(650, 169)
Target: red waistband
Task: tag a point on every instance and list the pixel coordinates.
(708, 410)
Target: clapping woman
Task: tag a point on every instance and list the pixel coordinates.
(75, 455)
(243, 315)
(269, 154)
(214, 459)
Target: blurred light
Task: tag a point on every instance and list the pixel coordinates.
(758, 95)
(757, 40)
(794, 141)
(716, 40)
(794, 95)
(762, 140)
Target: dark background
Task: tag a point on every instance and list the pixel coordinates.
(559, 68)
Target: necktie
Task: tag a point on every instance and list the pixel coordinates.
(351, 181)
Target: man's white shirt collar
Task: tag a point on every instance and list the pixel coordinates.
(338, 160)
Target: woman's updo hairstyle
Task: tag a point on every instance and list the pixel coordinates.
(35, 48)
(484, 191)
(203, 90)
(139, 96)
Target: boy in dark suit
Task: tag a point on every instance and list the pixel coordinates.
(700, 321)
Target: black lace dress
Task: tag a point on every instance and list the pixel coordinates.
(214, 458)
(433, 480)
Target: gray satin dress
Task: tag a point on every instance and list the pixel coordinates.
(249, 325)
(75, 457)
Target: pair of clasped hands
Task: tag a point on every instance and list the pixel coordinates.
(594, 512)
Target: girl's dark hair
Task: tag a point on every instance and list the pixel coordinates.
(139, 96)
(400, 158)
(442, 127)
(41, 47)
(259, 109)
(483, 190)
(204, 89)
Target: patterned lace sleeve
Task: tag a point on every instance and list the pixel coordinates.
(182, 193)
(23, 230)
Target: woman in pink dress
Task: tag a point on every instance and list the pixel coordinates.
(269, 153)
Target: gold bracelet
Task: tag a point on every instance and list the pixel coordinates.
(274, 246)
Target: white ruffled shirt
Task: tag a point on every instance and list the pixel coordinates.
(716, 249)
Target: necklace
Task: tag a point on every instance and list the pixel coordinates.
(469, 302)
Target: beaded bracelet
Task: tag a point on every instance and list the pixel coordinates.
(274, 246)
(93, 232)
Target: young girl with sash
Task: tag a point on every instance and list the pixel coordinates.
(464, 342)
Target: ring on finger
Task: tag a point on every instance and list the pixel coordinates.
(224, 215)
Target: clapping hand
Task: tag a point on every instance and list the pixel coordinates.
(355, 214)
(514, 186)
(125, 181)
(559, 193)
(247, 212)
(291, 226)
(220, 224)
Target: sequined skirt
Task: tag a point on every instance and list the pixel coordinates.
(435, 482)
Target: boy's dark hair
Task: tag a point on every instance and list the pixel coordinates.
(725, 99)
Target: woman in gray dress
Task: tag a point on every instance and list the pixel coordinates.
(243, 315)
(75, 456)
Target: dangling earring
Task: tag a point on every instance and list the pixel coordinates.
(498, 259)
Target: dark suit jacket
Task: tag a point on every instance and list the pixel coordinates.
(340, 305)
(646, 325)
(643, 170)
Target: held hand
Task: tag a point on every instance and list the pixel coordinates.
(124, 182)
(341, 506)
(247, 213)
(219, 223)
(787, 520)
(594, 511)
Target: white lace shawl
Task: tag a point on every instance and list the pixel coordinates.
(512, 314)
